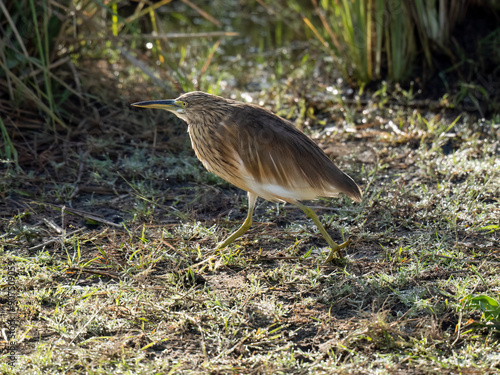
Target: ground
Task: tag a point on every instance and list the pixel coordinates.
(107, 231)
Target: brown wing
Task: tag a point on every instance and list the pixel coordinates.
(280, 160)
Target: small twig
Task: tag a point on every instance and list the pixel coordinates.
(54, 240)
(76, 79)
(236, 346)
(53, 225)
(76, 189)
(173, 248)
(266, 7)
(277, 258)
(86, 324)
(62, 222)
(458, 327)
(33, 73)
(89, 216)
(93, 272)
(203, 13)
(4, 335)
(118, 198)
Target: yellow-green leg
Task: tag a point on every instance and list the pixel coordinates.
(335, 248)
(245, 226)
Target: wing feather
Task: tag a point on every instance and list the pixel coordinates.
(279, 161)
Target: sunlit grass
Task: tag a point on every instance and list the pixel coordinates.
(424, 244)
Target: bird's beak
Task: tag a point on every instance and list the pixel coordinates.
(171, 105)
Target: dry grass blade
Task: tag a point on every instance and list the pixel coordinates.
(25, 89)
(139, 13)
(315, 31)
(89, 216)
(19, 39)
(208, 60)
(327, 27)
(57, 239)
(203, 13)
(9, 150)
(92, 271)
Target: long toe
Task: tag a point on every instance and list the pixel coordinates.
(336, 249)
(345, 244)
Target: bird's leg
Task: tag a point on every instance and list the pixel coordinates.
(335, 248)
(245, 226)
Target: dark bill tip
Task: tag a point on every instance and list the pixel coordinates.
(161, 104)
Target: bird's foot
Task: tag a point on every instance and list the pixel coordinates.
(212, 262)
(336, 249)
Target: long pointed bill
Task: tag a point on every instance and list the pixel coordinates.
(168, 105)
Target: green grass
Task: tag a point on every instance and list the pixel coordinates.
(97, 298)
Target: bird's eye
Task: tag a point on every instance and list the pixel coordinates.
(184, 104)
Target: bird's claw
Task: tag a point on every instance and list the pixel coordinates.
(337, 250)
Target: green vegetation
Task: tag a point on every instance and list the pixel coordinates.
(108, 218)
(490, 309)
(366, 35)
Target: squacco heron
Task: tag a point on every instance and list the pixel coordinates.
(261, 153)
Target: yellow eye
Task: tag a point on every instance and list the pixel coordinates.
(184, 104)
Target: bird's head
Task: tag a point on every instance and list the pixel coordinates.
(190, 106)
